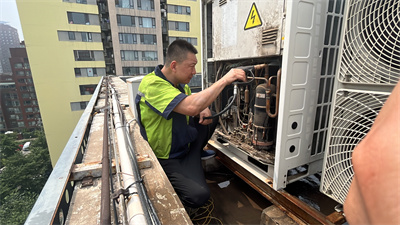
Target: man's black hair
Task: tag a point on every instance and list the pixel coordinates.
(178, 51)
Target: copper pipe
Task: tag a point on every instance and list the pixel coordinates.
(269, 95)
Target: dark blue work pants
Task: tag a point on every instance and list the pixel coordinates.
(186, 174)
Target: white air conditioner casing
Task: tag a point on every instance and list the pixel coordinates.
(133, 87)
(367, 71)
(306, 47)
(232, 41)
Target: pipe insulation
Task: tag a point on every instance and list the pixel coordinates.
(135, 214)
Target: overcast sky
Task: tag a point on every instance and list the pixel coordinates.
(9, 14)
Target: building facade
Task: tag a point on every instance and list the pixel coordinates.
(75, 42)
(8, 39)
(183, 21)
(19, 105)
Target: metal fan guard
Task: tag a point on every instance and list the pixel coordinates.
(353, 116)
(371, 48)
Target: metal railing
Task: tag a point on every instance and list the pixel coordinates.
(53, 203)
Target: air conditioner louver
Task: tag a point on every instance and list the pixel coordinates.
(269, 36)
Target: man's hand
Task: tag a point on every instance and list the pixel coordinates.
(235, 74)
(205, 113)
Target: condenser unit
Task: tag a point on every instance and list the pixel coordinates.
(278, 124)
(368, 69)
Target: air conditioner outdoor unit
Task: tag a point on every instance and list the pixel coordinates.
(293, 46)
(368, 69)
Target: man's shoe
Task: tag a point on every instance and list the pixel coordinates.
(207, 154)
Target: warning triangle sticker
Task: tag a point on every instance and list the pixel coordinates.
(253, 20)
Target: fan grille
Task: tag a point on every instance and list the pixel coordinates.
(353, 116)
(371, 48)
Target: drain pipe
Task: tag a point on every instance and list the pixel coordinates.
(135, 214)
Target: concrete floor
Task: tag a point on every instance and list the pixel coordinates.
(235, 202)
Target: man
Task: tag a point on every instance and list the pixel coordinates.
(166, 109)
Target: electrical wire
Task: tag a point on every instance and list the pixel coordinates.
(204, 217)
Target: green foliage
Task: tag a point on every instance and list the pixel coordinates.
(8, 146)
(22, 178)
(16, 207)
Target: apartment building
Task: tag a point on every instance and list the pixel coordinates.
(8, 39)
(19, 105)
(184, 22)
(75, 42)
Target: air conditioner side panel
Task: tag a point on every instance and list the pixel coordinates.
(301, 65)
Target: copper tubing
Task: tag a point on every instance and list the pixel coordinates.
(269, 95)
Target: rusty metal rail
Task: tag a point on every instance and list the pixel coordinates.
(105, 214)
(299, 211)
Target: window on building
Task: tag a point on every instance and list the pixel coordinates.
(127, 38)
(87, 89)
(81, 1)
(28, 73)
(179, 26)
(124, 4)
(14, 110)
(147, 70)
(147, 22)
(15, 117)
(77, 72)
(12, 103)
(124, 20)
(149, 56)
(148, 39)
(23, 88)
(27, 103)
(191, 40)
(86, 37)
(83, 55)
(7, 86)
(129, 55)
(129, 71)
(25, 95)
(32, 123)
(78, 18)
(20, 73)
(178, 9)
(18, 66)
(21, 124)
(76, 106)
(147, 5)
(71, 35)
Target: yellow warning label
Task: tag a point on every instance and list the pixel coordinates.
(253, 20)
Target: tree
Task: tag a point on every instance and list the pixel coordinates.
(22, 178)
(8, 146)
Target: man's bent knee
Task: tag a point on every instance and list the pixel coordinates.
(196, 198)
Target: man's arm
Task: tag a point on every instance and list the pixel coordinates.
(194, 104)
